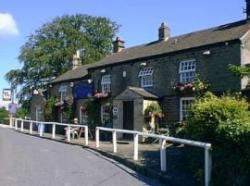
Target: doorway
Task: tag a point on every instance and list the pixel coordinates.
(128, 118)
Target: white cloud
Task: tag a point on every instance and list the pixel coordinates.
(8, 25)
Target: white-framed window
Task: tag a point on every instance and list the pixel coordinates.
(187, 71)
(106, 83)
(83, 117)
(185, 106)
(38, 113)
(63, 91)
(146, 75)
(105, 114)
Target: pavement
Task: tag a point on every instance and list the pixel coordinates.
(27, 160)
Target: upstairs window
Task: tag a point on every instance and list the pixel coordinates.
(146, 75)
(187, 71)
(106, 83)
(63, 92)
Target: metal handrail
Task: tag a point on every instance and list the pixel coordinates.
(207, 147)
(54, 124)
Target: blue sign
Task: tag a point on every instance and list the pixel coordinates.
(12, 108)
(83, 90)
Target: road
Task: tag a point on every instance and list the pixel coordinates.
(32, 161)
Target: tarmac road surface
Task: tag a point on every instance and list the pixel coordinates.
(32, 161)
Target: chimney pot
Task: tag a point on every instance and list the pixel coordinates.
(76, 60)
(164, 32)
(248, 9)
(118, 45)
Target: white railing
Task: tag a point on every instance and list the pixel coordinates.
(69, 127)
(163, 139)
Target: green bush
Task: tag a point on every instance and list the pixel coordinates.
(24, 109)
(49, 109)
(3, 114)
(153, 108)
(22, 112)
(224, 122)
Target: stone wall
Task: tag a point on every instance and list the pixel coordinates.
(37, 101)
(212, 68)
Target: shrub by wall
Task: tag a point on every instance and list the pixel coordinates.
(3, 115)
(225, 122)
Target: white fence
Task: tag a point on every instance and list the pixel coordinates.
(163, 139)
(15, 123)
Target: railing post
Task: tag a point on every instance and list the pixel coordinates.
(53, 131)
(31, 127)
(208, 166)
(86, 135)
(136, 137)
(11, 120)
(114, 141)
(22, 125)
(40, 126)
(68, 133)
(163, 156)
(97, 133)
(16, 123)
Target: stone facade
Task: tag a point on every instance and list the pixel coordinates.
(212, 68)
(37, 107)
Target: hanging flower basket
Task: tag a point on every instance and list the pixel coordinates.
(99, 95)
(83, 108)
(184, 88)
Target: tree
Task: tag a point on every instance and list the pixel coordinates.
(48, 52)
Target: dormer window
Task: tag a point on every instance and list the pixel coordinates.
(146, 75)
(106, 83)
(187, 71)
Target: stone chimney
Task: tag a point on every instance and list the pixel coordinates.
(248, 9)
(76, 60)
(164, 32)
(118, 45)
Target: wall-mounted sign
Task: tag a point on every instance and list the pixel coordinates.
(115, 110)
(6, 95)
(82, 90)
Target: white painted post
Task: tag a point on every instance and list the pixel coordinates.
(163, 156)
(53, 131)
(22, 125)
(41, 131)
(16, 123)
(114, 141)
(86, 135)
(97, 133)
(31, 127)
(208, 166)
(11, 120)
(136, 138)
(68, 133)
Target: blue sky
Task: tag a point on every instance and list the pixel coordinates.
(139, 20)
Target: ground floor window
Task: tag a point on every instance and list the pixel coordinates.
(106, 114)
(83, 117)
(38, 113)
(185, 105)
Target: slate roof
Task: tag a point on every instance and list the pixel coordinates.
(75, 74)
(223, 33)
(142, 92)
